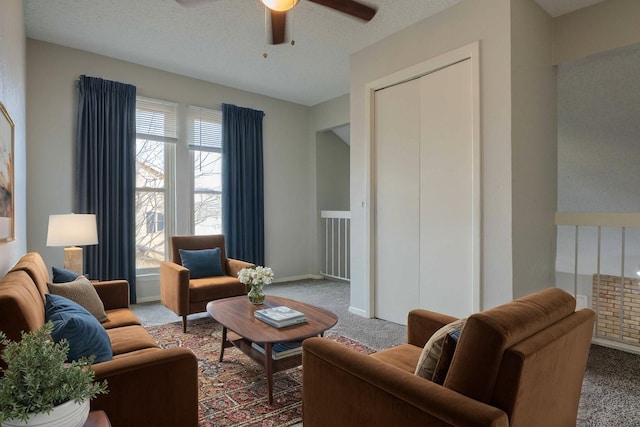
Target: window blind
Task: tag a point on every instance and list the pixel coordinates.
(204, 129)
(156, 120)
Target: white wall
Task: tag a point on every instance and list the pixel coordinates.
(12, 95)
(52, 102)
(470, 20)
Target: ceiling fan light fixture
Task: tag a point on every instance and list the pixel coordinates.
(280, 5)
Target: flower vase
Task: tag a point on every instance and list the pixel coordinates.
(256, 295)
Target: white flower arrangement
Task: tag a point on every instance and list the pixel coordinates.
(256, 276)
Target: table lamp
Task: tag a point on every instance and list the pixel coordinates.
(71, 231)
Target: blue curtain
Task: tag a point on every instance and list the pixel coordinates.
(242, 183)
(105, 181)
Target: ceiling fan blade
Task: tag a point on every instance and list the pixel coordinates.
(350, 7)
(278, 26)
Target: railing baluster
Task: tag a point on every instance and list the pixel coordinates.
(598, 281)
(622, 289)
(606, 287)
(336, 244)
(326, 245)
(575, 267)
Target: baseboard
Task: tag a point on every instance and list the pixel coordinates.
(154, 298)
(358, 312)
(616, 345)
(294, 278)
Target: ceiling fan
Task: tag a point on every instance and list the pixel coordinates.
(278, 11)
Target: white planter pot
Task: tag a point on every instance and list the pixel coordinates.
(68, 414)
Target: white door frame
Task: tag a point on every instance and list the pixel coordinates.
(472, 52)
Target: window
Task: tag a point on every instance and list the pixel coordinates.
(155, 222)
(155, 152)
(178, 176)
(204, 138)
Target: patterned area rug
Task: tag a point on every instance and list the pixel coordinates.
(234, 392)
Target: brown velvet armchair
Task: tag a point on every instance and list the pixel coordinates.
(183, 295)
(519, 364)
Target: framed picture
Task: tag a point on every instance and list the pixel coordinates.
(7, 217)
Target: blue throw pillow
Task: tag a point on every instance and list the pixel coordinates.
(446, 357)
(61, 275)
(202, 263)
(83, 332)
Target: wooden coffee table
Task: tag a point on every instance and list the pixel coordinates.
(240, 329)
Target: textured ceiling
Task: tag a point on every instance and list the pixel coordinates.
(223, 41)
(560, 7)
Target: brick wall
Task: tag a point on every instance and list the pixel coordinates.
(608, 308)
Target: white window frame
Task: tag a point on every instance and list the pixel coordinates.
(195, 144)
(179, 174)
(169, 180)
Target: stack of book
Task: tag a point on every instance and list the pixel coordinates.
(280, 316)
(282, 349)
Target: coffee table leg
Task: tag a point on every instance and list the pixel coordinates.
(268, 364)
(224, 343)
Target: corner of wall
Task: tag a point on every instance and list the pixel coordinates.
(13, 96)
(533, 148)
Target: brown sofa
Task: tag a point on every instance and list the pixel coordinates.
(184, 295)
(147, 385)
(519, 364)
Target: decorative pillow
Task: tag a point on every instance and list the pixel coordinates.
(448, 348)
(81, 291)
(85, 335)
(202, 263)
(61, 275)
(433, 348)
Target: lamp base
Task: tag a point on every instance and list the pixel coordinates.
(73, 259)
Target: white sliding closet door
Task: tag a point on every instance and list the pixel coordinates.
(397, 132)
(424, 175)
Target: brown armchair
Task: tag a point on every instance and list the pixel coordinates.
(183, 295)
(519, 364)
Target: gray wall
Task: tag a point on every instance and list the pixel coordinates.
(599, 156)
(598, 109)
(12, 95)
(598, 130)
(52, 102)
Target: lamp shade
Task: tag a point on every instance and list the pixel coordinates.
(280, 5)
(72, 230)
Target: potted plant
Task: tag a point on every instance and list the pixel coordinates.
(39, 383)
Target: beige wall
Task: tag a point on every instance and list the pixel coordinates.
(533, 148)
(323, 116)
(332, 182)
(332, 160)
(52, 102)
(489, 22)
(604, 26)
(12, 95)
